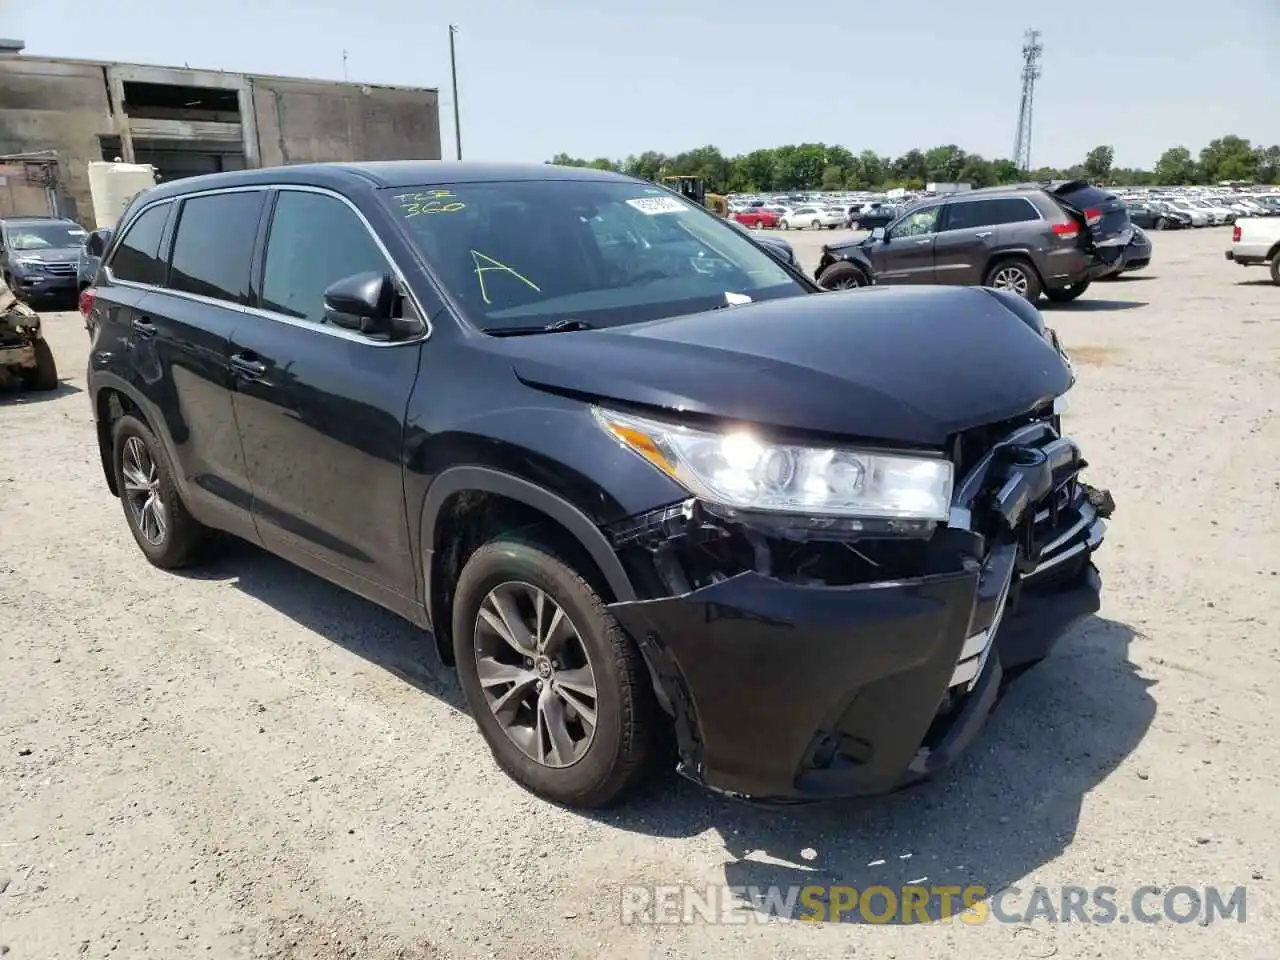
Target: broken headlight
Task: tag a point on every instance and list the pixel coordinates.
(741, 470)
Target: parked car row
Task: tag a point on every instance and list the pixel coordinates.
(799, 585)
(1031, 240)
(1171, 211)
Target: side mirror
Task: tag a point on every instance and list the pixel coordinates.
(96, 243)
(879, 233)
(362, 302)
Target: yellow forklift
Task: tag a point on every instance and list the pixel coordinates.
(693, 188)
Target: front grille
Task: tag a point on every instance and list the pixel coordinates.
(1022, 491)
(60, 269)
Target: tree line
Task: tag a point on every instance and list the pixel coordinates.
(819, 166)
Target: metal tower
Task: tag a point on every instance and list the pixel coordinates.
(1031, 50)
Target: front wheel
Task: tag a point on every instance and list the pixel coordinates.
(1275, 268)
(816, 225)
(783, 225)
(558, 690)
(843, 276)
(1162, 224)
(1067, 294)
(1016, 276)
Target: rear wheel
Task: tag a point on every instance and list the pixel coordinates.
(1067, 294)
(158, 519)
(1016, 276)
(783, 225)
(1275, 268)
(44, 375)
(558, 690)
(1161, 223)
(817, 224)
(843, 276)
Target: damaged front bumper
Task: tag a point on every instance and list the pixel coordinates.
(785, 689)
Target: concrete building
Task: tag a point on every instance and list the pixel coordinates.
(57, 115)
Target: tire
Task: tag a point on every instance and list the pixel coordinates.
(1067, 294)
(843, 276)
(1161, 223)
(1002, 274)
(783, 225)
(1275, 268)
(44, 375)
(600, 766)
(181, 538)
(817, 225)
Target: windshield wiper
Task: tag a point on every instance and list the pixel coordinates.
(567, 325)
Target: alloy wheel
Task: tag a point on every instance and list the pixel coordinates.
(536, 675)
(142, 491)
(848, 283)
(1011, 278)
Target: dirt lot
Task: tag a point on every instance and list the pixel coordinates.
(246, 762)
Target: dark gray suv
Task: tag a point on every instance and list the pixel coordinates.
(38, 256)
(1033, 238)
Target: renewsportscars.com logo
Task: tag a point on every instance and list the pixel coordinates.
(814, 903)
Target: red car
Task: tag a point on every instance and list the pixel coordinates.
(757, 218)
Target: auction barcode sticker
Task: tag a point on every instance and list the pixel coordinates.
(655, 205)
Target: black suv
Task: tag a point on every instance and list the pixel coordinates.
(39, 257)
(637, 476)
(1030, 239)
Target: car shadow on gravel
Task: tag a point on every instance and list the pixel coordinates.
(18, 397)
(1092, 306)
(366, 629)
(1009, 807)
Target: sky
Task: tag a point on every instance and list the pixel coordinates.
(611, 79)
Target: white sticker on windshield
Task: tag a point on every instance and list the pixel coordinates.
(656, 205)
(78, 233)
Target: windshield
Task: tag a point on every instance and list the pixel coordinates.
(45, 236)
(518, 254)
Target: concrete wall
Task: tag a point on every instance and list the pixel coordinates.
(56, 105)
(67, 105)
(300, 121)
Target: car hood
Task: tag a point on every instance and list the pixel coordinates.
(49, 255)
(897, 365)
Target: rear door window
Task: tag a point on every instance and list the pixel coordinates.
(213, 248)
(137, 256)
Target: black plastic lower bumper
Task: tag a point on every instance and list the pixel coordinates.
(785, 690)
(791, 692)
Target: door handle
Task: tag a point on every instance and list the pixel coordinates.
(246, 366)
(921, 243)
(143, 326)
(983, 235)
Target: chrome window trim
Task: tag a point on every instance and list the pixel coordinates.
(298, 322)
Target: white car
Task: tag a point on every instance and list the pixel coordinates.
(1199, 216)
(811, 216)
(1218, 214)
(1243, 206)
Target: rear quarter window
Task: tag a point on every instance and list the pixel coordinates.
(137, 256)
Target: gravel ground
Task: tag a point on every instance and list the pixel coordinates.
(246, 762)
